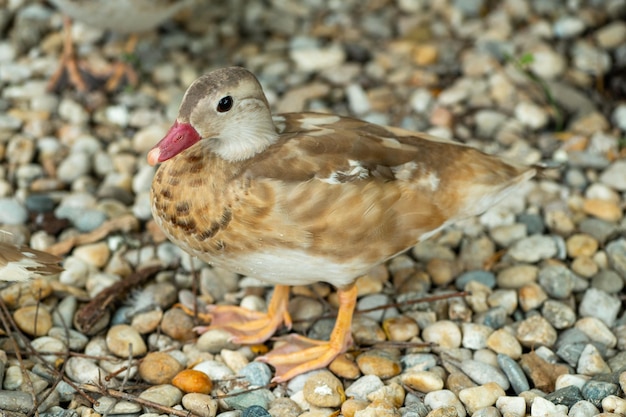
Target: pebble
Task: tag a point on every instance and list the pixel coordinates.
(165, 394)
(536, 331)
(517, 276)
(445, 334)
(423, 381)
(482, 396)
(33, 320)
(475, 335)
(591, 362)
(502, 341)
(596, 303)
(533, 249)
(12, 211)
(123, 340)
(597, 331)
(514, 373)
(364, 386)
(559, 314)
(190, 381)
(616, 252)
(159, 368)
(323, 389)
(595, 391)
(382, 363)
(400, 328)
(444, 398)
(214, 369)
(482, 373)
(543, 407)
(557, 281)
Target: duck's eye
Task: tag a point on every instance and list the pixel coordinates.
(225, 104)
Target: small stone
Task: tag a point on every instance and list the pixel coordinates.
(484, 277)
(514, 373)
(84, 370)
(96, 254)
(423, 381)
(583, 409)
(557, 281)
(596, 391)
(323, 389)
(159, 368)
(12, 212)
(482, 373)
(602, 209)
(214, 340)
(611, 35)
(560, 315)
(503, 342)
(258, 374)
(533, 249)
(596, 303)
(542, 374)
(597, 331)
(591, 362)
(200, 404)
(444, 398)
(581, 244)
(616, 252)
(33, 320)
(543, 407)
(517, 276)
(446, 334)
(255, 411)
(536, 331)
(381, 363)
(191, 381)
(614, 404)
(531, 115)
(166, 395)
(400, 328)
(475, 335)
(214, 369)
(123, 340)
(363, 386)
(345, 367)
(147, 322)
(286, 407)
(480, 397)
(351, 406)
(531, 296)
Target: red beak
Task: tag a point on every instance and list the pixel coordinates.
(180, 137)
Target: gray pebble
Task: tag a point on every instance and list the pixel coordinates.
(533, 249)
(534, 223)
(616, 251)
(567, 396)
(557, 281)
(373, 301)
(596, 303)
(256, 373)
(261, 398)
(89, 219)
(482, 373)
(559, 314)
(595, 391)
(12, 211)
(363, 386)
(514, 373)
(607, 281)
(486, 278)
(583, 409)
(75, 165)
(615, 175)
(167, 395)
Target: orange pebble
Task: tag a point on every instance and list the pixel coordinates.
(190, 380)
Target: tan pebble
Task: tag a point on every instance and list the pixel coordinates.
(446, 334)
(366, 330)
(584, 266)
(323, 389)
(382, 363)
(234, 359)
(516, 276)
(536, 331)
(285, 407)
(178, 325)
(96, 254)
(479, 294)
(581, 244)
(425, 54)
(502, 341)
(159, 368)
(345, 367)
(447, 411)
(351, 406)
(200, 404)
(423, 381)
(441, 271)
(531, 296)
(480, 397)
(597, 331)
(191, 380)
(622, 381)
(603, 209)
(542, 374)
(147, 322)
(614, 404)
(146, 137)
(373, 281)
(393, 394)
(26, 293)
(33, 320)
(458, 381)
(378, 409)
(441, 116)
(123, 340)
(400, 328)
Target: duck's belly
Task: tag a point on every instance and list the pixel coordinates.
(289, 267)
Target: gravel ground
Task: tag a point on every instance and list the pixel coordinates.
(543, 331)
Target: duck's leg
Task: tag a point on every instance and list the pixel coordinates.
(69, 63)
(299, 354)
(123, 69)
(251, 327)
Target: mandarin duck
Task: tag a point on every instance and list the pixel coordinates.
(298, 198)
(121, 16)
(19, 263)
